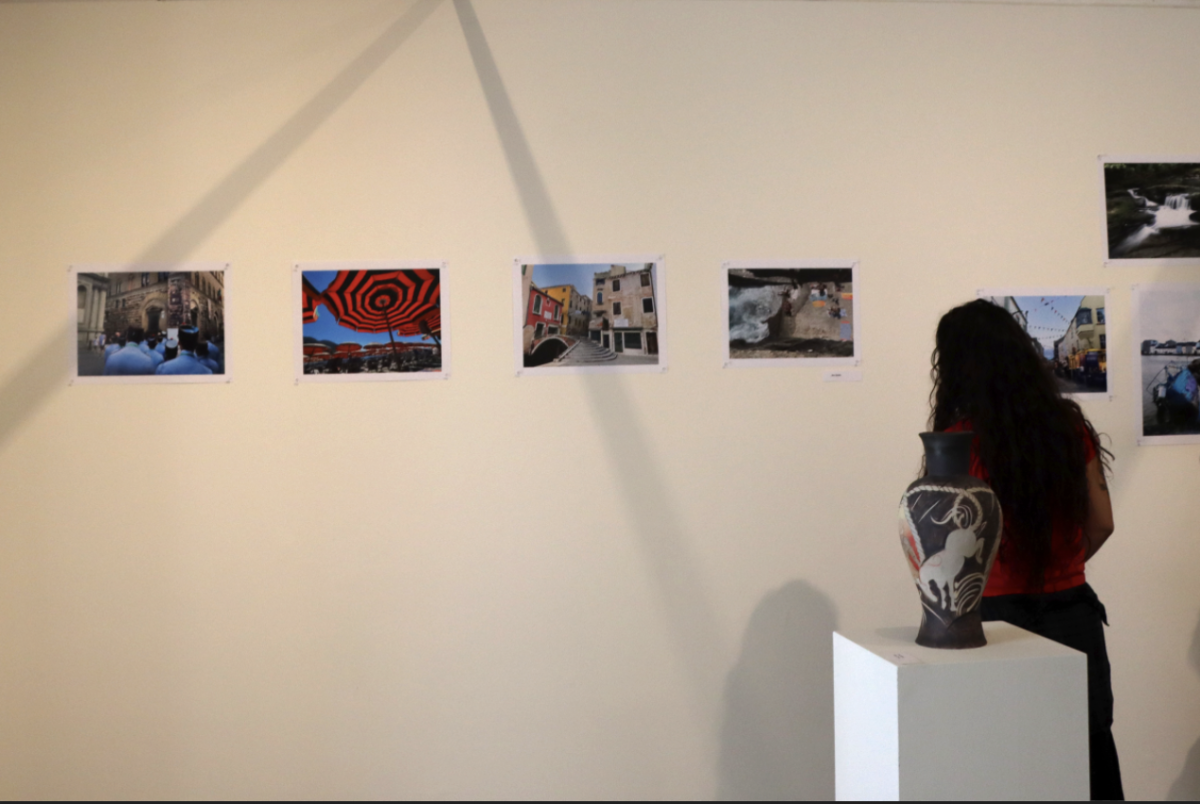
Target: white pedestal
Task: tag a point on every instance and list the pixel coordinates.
(1005, 721)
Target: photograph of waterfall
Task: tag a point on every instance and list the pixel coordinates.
(790, 313)
(1069, 327)
(1152, 209)
(1166, 332)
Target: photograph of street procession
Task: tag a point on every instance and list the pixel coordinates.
(784, 313)
(1070, 330)
(1152, 209)
(1167, 340)
(141, 325)
(370, 321)
(588, 316)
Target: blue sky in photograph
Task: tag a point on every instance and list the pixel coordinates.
(1048, 316)
(327, 328)
(581, 275)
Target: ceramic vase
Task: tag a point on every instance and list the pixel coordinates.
(950, 526)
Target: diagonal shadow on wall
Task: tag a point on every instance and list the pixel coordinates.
(660, 536)
(34, 381)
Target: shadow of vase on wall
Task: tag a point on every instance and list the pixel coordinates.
(1187, 786)
(950, 526)
(776, 737)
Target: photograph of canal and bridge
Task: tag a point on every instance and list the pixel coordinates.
(594, 315)
(785, 313)
(1152, 209)
(1070, 329)
(1166, 331)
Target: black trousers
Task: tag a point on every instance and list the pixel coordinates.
(1075, 618)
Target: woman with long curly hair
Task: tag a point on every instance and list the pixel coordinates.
(1044, 460)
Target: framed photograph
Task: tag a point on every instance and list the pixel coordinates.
(150, 323)
(370, 321)
(589, 315)
(1070, 326)
(1151, 209)
(790, 313)
(1166, 328)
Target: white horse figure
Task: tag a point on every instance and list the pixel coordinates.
(939, 579)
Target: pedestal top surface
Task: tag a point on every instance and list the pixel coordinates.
(1006, 642)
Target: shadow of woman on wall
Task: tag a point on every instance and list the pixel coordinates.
(777, 733)
(1187, 786)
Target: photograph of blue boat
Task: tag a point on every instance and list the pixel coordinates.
(1168, 338)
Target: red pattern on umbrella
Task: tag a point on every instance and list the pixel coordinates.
(384, 301)
(311, 298)
(433, 321)
(316, 350)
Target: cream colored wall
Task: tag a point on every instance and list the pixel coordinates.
(260, 589)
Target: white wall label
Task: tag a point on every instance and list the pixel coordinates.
(843, 376)
(898, 657)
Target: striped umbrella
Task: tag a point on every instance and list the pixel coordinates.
(312, 298)
(319, 350)
(430, 324)
(385, 301)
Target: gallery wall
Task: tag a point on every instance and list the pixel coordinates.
(585, 586)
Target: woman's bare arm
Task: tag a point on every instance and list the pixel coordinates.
(1099, 524)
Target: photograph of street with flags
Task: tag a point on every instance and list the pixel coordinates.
(370, 321)
(1070, 330)
(591, 315)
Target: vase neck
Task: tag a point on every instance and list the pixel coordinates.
(947, 453)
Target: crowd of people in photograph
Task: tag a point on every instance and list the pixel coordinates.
(136, 353)
(411, 360)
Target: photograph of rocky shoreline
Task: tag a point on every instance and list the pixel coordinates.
(1153, 210)
(790, 313)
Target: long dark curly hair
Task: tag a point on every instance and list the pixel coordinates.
(989, 372)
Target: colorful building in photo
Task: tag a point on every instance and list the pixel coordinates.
(155, 301)
(625, 312)
(543, 316)
(576, 306)
(1083, 348)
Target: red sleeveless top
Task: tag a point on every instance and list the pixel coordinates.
(1066, 550)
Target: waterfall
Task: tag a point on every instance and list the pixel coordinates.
(1179, 201)
(1174, 213)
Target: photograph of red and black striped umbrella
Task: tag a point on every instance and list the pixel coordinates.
(383, 301)
(311, 299)
(363, 302)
